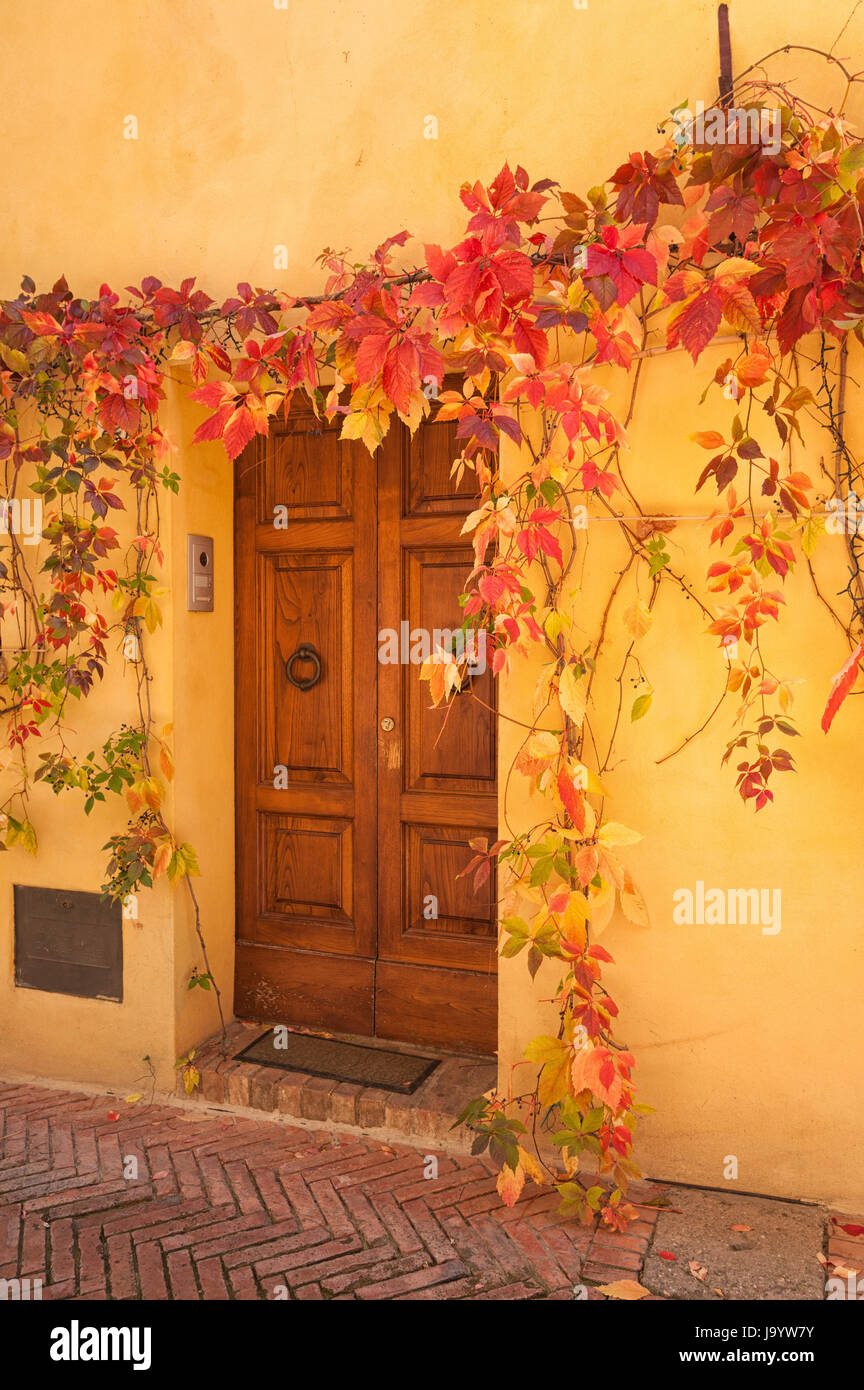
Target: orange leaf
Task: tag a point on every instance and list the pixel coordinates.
(510, 1184)
(627, 1289)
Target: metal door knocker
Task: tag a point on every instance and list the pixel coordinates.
(305, 652)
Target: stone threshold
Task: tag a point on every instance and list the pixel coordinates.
(427, 1115)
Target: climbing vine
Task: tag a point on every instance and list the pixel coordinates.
(719, 235)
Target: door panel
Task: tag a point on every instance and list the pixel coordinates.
(306, 824)
(348, 832)
(436, 784)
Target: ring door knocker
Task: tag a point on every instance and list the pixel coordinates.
(305, 652)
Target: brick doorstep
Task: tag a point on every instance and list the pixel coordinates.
(428, 1114)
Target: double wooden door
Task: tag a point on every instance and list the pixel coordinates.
(355, 800)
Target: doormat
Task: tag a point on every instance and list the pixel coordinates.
(342, 1061)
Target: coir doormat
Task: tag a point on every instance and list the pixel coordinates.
(343, 1061)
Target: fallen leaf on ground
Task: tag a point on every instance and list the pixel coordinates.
(113, 1115)
(821, 1258)
(719, 1293)
(850, 1230)
(844, 1272)
(698, 1271)
(131, 1100)
(627, 1289)
(666, 1255)
(163, 1174)
(740, 1228)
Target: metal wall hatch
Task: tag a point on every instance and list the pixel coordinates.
(68, 943)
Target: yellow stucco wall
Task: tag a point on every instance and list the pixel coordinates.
(261, 127)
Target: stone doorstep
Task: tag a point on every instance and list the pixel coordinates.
(427, 1114)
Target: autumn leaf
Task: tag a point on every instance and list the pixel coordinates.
(841, 684)
(637, 618)
(740, 1228)
(510, 1184)
(629, 1290)
(666, 1255)
(850, 1230)
(532, 1168)
(708, 439)
(554, 1056)
(611, 833)
(572, 695)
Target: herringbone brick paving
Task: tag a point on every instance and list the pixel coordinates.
(225, 1207)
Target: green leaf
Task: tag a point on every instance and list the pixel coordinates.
(641, 706)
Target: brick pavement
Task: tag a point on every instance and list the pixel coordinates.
(226, 1207)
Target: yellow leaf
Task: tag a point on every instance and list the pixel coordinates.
(633, 906)
(611, 833)
(554, 1056)
(16, 361)
(354, 425)
(735, 268)
(601, 905)
(133, 1099)
(573, 921)
(543, 745)
(627, 1289)
(552, 625)
(166, 762)
(191, 1078)
(813, 528)
(637, 618)
(572, 695)
(531, 1166)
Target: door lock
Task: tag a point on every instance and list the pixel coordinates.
(387, 724)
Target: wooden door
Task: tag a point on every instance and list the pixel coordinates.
(350, 832)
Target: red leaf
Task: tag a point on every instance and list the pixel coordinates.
(666, 1255)
(238, 431)
(572, 798)
(841, 684)
(850, 1230)
(695, 323)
